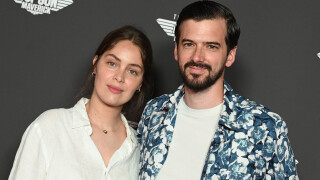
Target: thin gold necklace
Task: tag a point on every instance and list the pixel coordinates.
(92, 122)
(105, 131)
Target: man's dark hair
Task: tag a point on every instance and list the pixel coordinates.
(209, 10)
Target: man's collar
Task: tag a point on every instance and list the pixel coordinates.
(173, 99)
(236, 113)
(232, 116)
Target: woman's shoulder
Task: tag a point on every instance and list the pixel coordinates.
(53, 114)
(53, 119)
(62, 113)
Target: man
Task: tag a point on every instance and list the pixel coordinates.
(204, 130)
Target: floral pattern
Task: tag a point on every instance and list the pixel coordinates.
(251, 142)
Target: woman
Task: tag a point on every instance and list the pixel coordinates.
(92, 140)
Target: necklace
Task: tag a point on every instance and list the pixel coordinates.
(105, 131)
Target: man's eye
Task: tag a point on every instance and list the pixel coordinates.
(188, 44)
(212, 46)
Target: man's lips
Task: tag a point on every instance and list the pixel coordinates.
(115, 89)
(196, 69)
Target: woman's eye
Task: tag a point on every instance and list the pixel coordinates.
(132, 72)
(111, 64)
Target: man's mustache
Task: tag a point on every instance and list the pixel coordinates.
(202, 65)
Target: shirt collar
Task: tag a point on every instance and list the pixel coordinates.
(80, 116)
(81, 119)
(173, 99)
(131, 134)
(236, 113)
(232, 105)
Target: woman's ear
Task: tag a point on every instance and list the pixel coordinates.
(95, 60)
(139, 87)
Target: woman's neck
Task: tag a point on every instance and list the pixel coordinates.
(102, 115)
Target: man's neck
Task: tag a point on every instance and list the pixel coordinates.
(207, 98)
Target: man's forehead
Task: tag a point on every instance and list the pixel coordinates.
(205, 30)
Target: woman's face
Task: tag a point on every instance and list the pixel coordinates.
(119, 74)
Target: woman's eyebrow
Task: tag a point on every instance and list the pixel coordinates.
(118, 59)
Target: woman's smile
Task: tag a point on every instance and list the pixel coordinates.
(115, 89)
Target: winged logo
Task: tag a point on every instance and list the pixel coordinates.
(43, 6)
(167, 25)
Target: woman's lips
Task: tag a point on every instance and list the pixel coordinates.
(115, 89)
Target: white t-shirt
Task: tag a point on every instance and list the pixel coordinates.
(193, 132)
(57, 145)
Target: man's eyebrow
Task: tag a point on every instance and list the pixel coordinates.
(213, 42)
(186, 40)
(209, 42)
(118, 59)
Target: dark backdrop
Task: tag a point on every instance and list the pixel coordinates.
(44, 60)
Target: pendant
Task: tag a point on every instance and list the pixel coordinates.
(105, 131)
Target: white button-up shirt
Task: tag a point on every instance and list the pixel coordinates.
(57, 145)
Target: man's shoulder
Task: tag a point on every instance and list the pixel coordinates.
(156, 104)
(253, 107)
(160, 99)
(252, 114)
(167, 99)
(163, 100)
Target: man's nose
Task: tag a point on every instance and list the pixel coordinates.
(197, 54)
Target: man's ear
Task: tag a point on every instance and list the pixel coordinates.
(231, 57)
(176, 51)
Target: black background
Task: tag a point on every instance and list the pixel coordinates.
(44, 60)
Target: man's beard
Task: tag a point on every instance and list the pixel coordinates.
(196, 84)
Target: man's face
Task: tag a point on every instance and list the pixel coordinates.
(202, 52)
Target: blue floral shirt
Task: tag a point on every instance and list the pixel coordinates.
(251, 142)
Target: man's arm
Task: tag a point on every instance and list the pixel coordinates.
(283, 163)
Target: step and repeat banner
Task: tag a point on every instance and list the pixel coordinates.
(48, 45)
